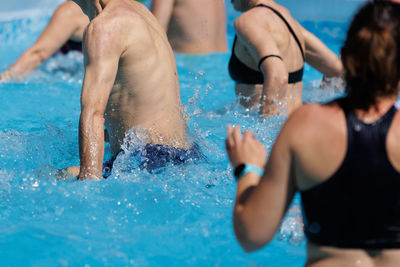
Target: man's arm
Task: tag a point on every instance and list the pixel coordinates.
(102, 53)
(260, 43)
(162, 10)
(66, 20)
(321, 57)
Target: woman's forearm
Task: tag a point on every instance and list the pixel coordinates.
(28, 61)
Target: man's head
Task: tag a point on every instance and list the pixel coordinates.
(82, 3)
(90, 7)
(244, 5)
(240, 5)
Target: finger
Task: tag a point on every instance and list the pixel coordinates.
(228, 144)
(229, 138)
(248, 135)
(229, 130)
(252, 135)
(237, 136)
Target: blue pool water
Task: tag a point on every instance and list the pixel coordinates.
(181, 216)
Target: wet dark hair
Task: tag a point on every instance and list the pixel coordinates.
(371, 54)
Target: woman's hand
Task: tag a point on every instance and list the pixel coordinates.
(6, 76)
(246, 149)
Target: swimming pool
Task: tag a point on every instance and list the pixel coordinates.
(180, 216)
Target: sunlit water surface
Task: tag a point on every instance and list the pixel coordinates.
(178, 216)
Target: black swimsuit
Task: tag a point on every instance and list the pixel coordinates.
(241, 73)
(359, 206)
(71, 46)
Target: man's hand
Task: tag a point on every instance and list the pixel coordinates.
(244, 150)
(68, 173)
(73, 172)
(86, 174)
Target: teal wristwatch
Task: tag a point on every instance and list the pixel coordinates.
(243, 169)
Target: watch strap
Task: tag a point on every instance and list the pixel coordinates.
(248, 168)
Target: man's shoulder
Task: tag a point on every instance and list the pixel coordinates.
(115, 30)
(103, 33)
(118, 20)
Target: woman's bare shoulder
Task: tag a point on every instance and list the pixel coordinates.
(252, 18)
(314, 119)
(314, 111)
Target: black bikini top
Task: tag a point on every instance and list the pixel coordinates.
(359, 205)
(241, 73)
(71, 46)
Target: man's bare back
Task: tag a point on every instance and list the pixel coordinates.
(193, 26)
(130, 80)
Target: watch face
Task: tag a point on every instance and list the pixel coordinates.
(238, 170)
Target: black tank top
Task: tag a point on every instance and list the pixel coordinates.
(241, 73)
(359, 206)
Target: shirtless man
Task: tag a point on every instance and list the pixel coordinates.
(193, 26)
(130, 80)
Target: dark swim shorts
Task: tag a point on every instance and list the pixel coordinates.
(153, 157)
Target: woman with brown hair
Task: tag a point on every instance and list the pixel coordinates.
(268, 55)
(343, 157)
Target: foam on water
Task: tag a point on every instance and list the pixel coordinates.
(180, 216)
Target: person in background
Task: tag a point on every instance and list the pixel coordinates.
(342, 156)
(268, 56)
(62, 34)
(130, 81)
(193, 26)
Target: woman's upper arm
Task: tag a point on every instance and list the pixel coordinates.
(252, 31)
(64, 22)
(320, 56)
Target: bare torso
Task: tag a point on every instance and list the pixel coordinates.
(288, 48)
(318, 256)
(146, 88)
(198, 27)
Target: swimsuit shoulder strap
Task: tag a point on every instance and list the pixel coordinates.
(287, 24)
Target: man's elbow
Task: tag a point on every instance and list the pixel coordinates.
(90, 113)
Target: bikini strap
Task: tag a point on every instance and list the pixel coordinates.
(288, 25)
(264, 58)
